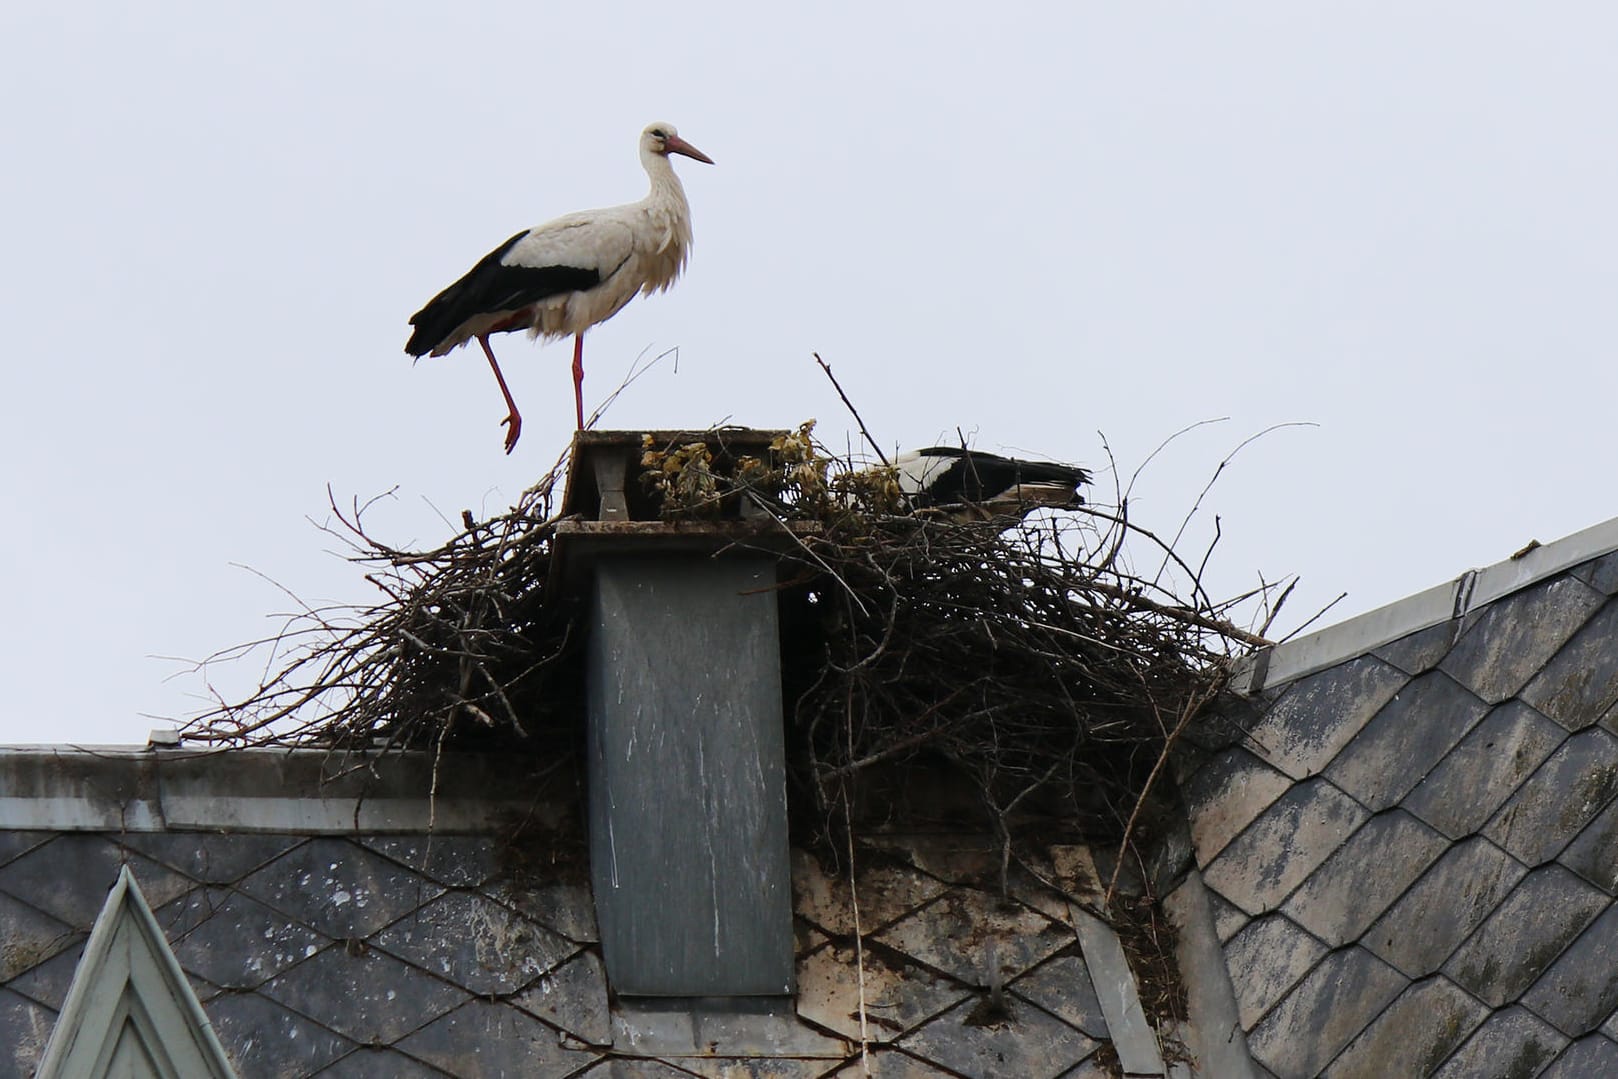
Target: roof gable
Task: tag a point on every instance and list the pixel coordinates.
(130, 1011)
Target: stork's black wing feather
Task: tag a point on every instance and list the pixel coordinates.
(976, 475)
(488, 287)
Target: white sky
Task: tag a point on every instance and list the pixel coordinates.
(1035, 222)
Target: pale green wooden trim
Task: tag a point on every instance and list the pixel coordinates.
(128, 982)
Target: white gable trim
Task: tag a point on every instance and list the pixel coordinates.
(130, 1010)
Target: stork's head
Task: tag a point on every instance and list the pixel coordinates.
(661, 139)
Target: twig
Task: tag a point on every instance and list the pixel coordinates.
(826, 367)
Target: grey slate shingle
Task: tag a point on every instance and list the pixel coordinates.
(1416, 1031)
(1470, 784)
(476, 943)
(24, 1029)
(211, 857)
(1594, 1057)
(1225, 795)
(1032, 1043)
(1513, 1043)
(1511, 639)
(1328, 1009)
(1405, 740)
(339, 888)
(1525, 934)
(1559, 799)
(1442, 909)
(264, 1039)
(486, 1040)
(1421, 651)
(1267, 959)
(76, 897)
(1593, 854)
(372, 1063)
(1318, 715)
(368, 996)
(1580, 990)
(1581, 680)
(1284, 845)
(573, 997)
(1600, 574)
(30, 936)
(1364, 876)
(242, 944)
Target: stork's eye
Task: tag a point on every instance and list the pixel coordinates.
(659, 133)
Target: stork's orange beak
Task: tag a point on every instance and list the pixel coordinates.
(676, 145)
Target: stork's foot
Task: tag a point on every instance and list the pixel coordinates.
(513, 426)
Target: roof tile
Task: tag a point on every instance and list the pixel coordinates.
(1593, 854)
(210, 857)
(263, 1038)
(1581, 680)
(373, 1062)
(457, 861)
(1031, 1043)
(1601, 573)
(1589, 1058)
(1480, 773)
(484, 1040)
(1442, 909)
(1320, 714)
(1225, 795)
(1284, 845)
(1513, 1043)
(25, 1027)
(481, 946)
(1525, 933)
(1416, 1032)
(1062, 986)
(573, 997)
(1367, 873)
(964, 929)
(77, 897)
(30, 936)
(363, 993)
(1327, 1010)
(899, 996)
(1511, 638)
(242, 944)
(1421, 651)
(1579, 992)
(1568, 790)
(1406, 738)
(339, 888)
(1266, 960)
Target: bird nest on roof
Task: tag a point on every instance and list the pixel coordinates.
(1023, 653)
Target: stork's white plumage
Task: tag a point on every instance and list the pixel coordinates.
(566, 275)
(982, 484)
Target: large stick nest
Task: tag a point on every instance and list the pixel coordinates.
(1024, 652)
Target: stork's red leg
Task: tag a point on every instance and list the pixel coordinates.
(578, 377)
(513, 422)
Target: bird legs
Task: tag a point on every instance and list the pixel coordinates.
(513, 422)
(578, 377)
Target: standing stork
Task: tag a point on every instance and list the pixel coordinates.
(566, 275)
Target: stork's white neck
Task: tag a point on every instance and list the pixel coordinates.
(666, 186)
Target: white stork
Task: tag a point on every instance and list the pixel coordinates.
(566, 275)
(985, 484)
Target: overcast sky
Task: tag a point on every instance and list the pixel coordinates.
(1041, 224)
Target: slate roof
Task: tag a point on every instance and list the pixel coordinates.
(1412, 845)
(394, 951)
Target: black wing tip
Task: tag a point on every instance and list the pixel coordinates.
(1032, 470)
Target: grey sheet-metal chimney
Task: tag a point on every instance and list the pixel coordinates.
(686, 770)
